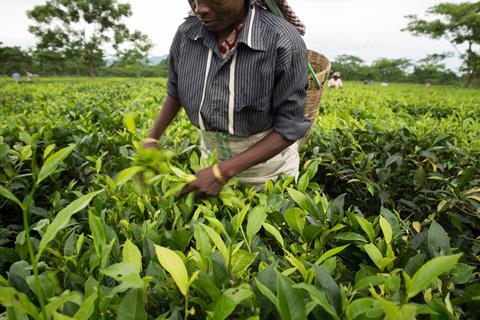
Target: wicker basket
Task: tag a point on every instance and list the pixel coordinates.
(321, 66)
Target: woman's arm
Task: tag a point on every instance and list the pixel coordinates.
(207, 185)
(170, 108)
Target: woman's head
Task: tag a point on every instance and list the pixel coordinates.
(219, 15)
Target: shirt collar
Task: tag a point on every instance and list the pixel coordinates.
(252, 31)
(251, 34)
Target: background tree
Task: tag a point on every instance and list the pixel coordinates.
(431, 69)
(80, 30)
(135, 56)
(391, 70)
(460, 24)
(351, 67)
(49, 62)
(14, 59)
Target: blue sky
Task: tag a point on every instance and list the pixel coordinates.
(366, 28)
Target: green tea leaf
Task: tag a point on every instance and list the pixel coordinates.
(392, 312)
(52, 163)
(297, 264)
(330, 253)
(129, 120)
(229, 300)
(386, 229)
(125, 273)
(296, 219)
(241, 260)
(368, 308)
(63, 218)
(462, 273)
(290, 300)
(319, 298)
(172, 262)
(350, 236)
(132, 306)
(10, 196)
(48, 150)
(57, 302)
(86, 308)
(408, 312)
(365, 283)
(98, 233)
(367, 227)
(302, 200)
(328, 283)
(267, 293)
(374, 254)
(132, 255)
(438, 242)
(126, 175)
(240, 217)
(26, 152)
(218, 242)
(430, 270)
(275, 233)
(419, 178)
(256, 218)
(9, 297)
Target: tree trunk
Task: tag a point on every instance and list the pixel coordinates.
(472, 73)
(468, 81)
(93, 69)
(77, 69)
(472, 65)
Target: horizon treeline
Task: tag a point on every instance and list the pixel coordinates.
(75, 37)
(430, 69)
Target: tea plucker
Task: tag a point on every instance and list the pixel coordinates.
(240, 73)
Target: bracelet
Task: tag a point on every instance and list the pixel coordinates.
(148, 140)
(218, 174)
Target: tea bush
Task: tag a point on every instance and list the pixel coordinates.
(382, 224)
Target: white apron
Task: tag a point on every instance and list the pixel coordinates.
(227, 145)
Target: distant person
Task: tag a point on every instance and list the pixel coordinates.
(28, 75)
(16, 77)
(335, 82)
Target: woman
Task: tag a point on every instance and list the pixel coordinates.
(335, 82)
(240, 72)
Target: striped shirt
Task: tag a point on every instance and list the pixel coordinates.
(259, 85)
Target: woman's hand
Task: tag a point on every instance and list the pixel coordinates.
(205, 186)
(149, 144)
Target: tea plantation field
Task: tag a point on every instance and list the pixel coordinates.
(382, 224)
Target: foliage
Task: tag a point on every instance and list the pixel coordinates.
(426, 70)
(13, 59)
(458, 23)
(380, 225)
(79, 31)
(431, 70)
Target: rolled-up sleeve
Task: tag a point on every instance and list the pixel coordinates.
(289, 96)
(173, 56)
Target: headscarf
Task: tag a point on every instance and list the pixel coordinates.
(283, 5)
(288, 14)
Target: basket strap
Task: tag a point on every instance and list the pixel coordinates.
(273, 7)
(314, 76)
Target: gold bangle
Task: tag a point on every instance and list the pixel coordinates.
(148, 140)
(218, 174)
